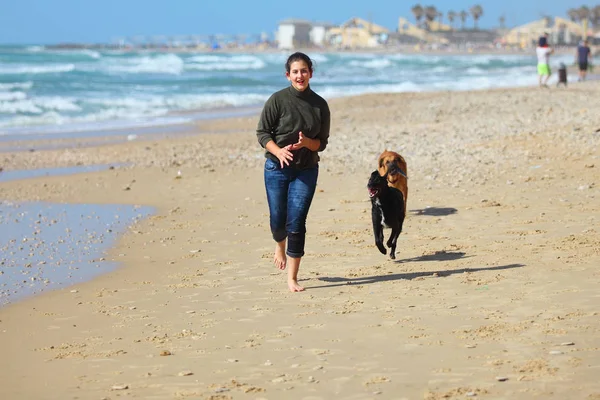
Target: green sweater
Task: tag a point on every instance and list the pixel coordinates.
(288, 112)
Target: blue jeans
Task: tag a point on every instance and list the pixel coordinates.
(289, 194)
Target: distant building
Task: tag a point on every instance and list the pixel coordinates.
(319, 33)
(293, 33)
(358, 33)
(436, 26)
(409, 33)
(560, 30)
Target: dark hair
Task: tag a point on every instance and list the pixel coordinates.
(543, 42)
(298, 56)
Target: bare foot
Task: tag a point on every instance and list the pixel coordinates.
(294, 287)
(280, 259)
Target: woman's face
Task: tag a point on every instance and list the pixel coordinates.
(299, 75)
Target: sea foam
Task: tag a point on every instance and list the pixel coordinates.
(48, 90)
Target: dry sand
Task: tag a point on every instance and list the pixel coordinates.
(494, 295)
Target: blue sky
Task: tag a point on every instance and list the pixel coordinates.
(95, 21)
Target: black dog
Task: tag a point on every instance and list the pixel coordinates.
(387, 210)
(562, 75)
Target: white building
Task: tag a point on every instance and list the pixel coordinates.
(319, 35)
(293, 33)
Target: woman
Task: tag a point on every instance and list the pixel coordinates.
(293, 128)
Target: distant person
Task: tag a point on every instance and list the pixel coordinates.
(543, 52)
(293, 128)
(584, 56)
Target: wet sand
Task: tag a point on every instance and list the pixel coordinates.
(20, 174)
(494, 293)
(46, 246)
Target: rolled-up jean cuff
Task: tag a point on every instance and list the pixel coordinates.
(278, 236)
(294, 255)
(295, 244)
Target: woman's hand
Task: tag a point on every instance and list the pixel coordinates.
(302, 142)
(284, 155)
(311, 144)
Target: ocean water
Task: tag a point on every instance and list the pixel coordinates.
(48, 91)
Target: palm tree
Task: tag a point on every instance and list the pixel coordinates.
(596, 16)
(451, 17)
(583, 12)
(573, 14)
(584, 16)
(440, 16)
(430, 15)
(502, 21)
(418, 12)
(463, 18)
(476, 12)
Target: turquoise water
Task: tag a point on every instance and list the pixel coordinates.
(43, 90)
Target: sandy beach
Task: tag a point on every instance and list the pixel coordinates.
(493, 295)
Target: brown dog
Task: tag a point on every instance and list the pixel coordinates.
(393, 166)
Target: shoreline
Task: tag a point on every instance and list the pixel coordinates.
(496, 267)
(195, 119)
(478, 72)
(477, 49)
